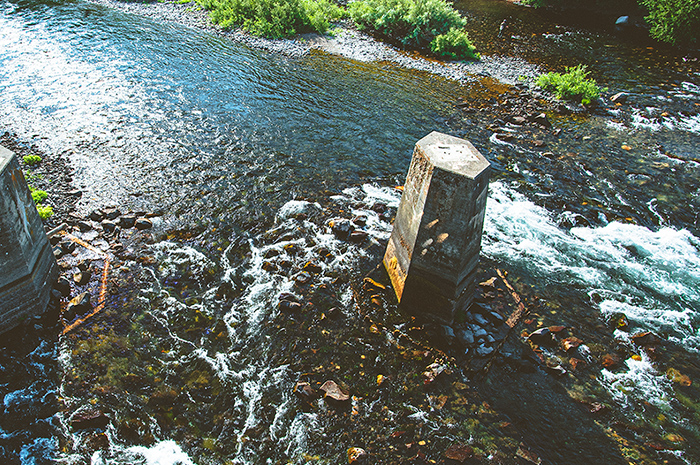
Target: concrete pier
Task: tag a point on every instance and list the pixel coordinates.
(28, 269)
(434, 247)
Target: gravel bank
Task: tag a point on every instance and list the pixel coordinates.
(52, 174)
(346, 41)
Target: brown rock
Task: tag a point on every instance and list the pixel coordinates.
(304, 391)
(334, 392)
(356, 455)
(78, 305)
(610, 360)
(82, 277)
(646, 338)
(571, 343)
(459, 452)
(358, 236)
(542, 120)
(88, 418)
(143, 223)
(312, 267)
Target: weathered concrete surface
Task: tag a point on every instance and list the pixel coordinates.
(28, 268)
(434, 247)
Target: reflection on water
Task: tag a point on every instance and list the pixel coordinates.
(249, 153)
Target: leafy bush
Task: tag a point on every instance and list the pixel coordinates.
(31, 160)
(573, 85)
(454, 44)
(415, 23)
(45, 211)
(274, 18)
(674, 21)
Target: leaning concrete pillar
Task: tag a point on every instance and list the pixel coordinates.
(433, 251)
(27, 266)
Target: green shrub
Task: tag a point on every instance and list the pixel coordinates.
(455, 44)
(274, 18)
(674, 21)
(31, 160)
(38, 196)
(414, 23)
(572, 85)
(45, 211)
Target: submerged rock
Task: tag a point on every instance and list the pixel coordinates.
(542, 336)
(358, 236)
(484, 351)
(289, 306)
(143, 223)
(646, 338)
(334, 392)
(459, 452)
(67, 246)
(111, 213)
(84, 226)
(305, 392)
(78, 305)
(620, 97)
(108, 226)
(127, 221)
(88, 419)
(356, 455)
(542, 120)
(96, 215)
(342, 228)
(82, 277)
(465, 336)
(289, 302)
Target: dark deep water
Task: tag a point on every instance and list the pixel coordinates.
(193, 361)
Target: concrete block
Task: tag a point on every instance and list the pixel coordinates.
(28, 268)
(434, 247)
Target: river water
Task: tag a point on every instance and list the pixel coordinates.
(248, 153)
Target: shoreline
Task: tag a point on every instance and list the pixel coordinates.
(346, 42)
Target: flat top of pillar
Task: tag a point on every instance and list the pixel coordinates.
(5, 157)
(453, 154)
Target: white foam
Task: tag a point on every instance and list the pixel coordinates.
(296, 207)
(161, 453)
(652, 276)
(640, 383)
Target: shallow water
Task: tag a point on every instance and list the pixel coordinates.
(249, 153)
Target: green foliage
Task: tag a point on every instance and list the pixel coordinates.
(572, 85)
(31, 160)
(536, 3)
(274, 18)
(45, 211)
(455, 44)
(674, 21)
(38, 196)
(415, 23)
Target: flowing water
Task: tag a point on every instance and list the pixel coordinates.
(248, 153)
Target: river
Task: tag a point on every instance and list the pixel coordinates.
(247, 153)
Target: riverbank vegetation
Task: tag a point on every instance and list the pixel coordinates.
(426, 24)
(38, 195)
(572, 85)
(430, 25)
(673, 21)
(274, 18)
